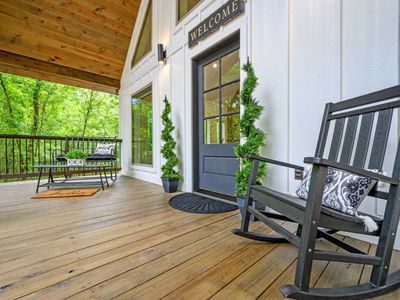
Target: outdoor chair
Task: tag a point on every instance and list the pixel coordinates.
(348, 129)
(99, 155)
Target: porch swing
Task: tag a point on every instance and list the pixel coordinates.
(354, 128)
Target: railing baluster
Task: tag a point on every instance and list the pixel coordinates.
(38, 150)
(20, 155)
(44, 151)
(32, 152)
(2, 148)
(6, 156)
(1, 157)
(26, 155)
(13, 156)
(50, 156)
(56, 151)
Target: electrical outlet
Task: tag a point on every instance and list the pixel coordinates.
(298, 174)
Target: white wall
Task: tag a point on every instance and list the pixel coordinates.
(309, 52)
(146, 72)
(305, 53)
(172, 79)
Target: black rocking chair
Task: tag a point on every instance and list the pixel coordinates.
(353, 129)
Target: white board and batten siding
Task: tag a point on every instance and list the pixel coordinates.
(305, 53)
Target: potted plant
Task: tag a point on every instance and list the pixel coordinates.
(253, 137)
(170, 177)
(76, 158)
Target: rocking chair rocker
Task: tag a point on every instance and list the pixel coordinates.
(317, 221)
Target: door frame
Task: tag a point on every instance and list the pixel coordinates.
(229, 44)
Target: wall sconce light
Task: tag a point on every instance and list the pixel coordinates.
(162, 54)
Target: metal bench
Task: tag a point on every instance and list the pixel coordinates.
(82, 144)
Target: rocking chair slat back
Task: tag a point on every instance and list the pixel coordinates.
(354, 130)
(349, 138)
(336, 139)
(364, 136)
(381, 139)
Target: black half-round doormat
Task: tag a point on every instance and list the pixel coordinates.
(189, 202)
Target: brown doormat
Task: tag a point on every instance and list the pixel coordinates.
(66, 193)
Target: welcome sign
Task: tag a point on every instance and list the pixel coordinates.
(221, 16)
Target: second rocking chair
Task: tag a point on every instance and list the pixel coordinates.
(348, 128)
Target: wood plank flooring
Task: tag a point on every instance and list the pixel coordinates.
(127, 243)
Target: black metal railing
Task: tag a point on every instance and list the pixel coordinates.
(19, 153)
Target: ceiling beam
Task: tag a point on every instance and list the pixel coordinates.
(25, 66)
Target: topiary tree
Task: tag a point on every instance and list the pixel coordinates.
(254, 137)
(168, 149)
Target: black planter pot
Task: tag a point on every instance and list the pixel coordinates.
(170, 185)
(241, 202)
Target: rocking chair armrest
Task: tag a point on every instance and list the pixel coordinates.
(358, 171)
(274, 162)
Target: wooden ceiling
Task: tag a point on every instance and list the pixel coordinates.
(76, 42)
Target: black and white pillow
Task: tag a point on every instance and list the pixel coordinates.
(343, 192)
(104, 149)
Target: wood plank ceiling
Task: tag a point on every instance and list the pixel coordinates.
(76, 42)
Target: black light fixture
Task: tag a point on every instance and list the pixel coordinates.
(162, 54)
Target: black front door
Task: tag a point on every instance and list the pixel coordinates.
(218, 113)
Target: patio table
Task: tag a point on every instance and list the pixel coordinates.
(80, 181)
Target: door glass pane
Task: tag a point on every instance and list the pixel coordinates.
(211, 103)
(230, 98)
(211, 131)
(230, 129)
(142, 128)
(230, 67)
(211, 75)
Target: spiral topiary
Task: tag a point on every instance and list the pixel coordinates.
(168, 149)
(254, 137)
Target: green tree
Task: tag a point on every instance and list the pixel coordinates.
(254, 137)
(168, 149)
(89, 101)
(6, 96)
(37, 107)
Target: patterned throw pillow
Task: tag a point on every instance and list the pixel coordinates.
(105, 148)
(343, 191)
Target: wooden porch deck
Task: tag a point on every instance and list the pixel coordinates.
(127, 243)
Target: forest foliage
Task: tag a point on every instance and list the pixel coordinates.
(36, 107)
